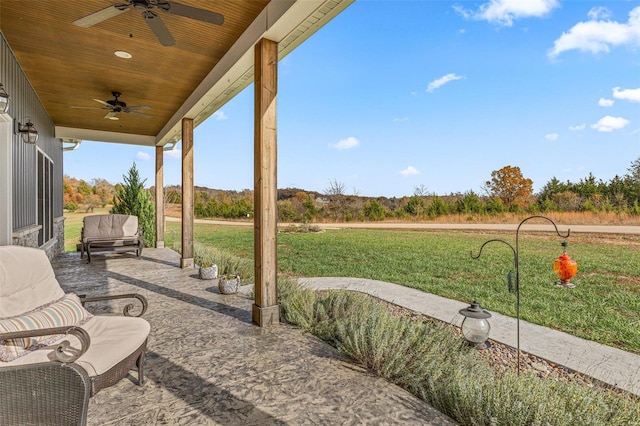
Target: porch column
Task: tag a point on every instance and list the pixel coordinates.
(266, 310)
(159, 197)
(187, 193)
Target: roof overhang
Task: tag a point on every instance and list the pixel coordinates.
(172, 91)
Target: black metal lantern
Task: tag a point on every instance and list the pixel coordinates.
(475, 327)
(27, 131)
(4, 99)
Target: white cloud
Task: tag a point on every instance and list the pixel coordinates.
(409, 171)
(220, 115)
(439, 82)
(578, 127)
(504, 12)
(347, 143)
(552, 136)
(143, 156)
(632, 95)
(606, 102)
(400, 119)
(599, 35)
(609, 124)
(599, 13)
(174, 153)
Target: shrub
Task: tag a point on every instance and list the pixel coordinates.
(71, 206)
(132, 198)
(429, 360)
(227, 262)
(373, 210)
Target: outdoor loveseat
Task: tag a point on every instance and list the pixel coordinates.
(110, 232)
(54, 354)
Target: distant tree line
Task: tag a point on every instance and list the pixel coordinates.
(79, 194)
(507, 190)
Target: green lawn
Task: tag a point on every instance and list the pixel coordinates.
(605, 305)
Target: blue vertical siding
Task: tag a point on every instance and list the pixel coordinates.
(25, 103)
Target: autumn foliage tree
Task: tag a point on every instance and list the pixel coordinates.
(508, 184)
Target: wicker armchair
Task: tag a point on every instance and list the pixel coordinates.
(55, 355)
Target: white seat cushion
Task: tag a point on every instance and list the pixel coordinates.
(112, 339)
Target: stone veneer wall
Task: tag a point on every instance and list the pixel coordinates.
(28, 237)
(58, 234)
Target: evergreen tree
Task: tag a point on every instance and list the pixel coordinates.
(132, 198)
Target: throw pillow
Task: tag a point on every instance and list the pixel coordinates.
(66, 311)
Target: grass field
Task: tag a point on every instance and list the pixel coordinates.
(604, 307)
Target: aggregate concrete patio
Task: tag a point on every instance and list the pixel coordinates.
(208, 364)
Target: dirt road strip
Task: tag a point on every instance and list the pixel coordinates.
(529, 226)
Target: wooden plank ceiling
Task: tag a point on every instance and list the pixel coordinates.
(70, 66)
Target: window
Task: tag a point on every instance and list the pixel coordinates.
(45, 198)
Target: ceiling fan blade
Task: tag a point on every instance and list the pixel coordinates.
(101, 15)
(112, 115)
(103, 103)
(194, 13)
(82, 107)
(138, 107)
(158, 28)
(138, 114)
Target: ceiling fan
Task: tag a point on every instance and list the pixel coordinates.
(116, 106)
(147, 8)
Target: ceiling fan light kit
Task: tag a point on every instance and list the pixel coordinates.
(147, 8)
(116, 106)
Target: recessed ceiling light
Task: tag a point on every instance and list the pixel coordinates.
(123, 54)
(113, 118)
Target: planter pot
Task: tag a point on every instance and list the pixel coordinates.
(229, 284)
(209, 272)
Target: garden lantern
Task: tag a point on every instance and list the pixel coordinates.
(565, 268)
(475, 327)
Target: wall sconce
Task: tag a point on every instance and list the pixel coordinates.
(27, 131)
(475, 327)
(4, 99)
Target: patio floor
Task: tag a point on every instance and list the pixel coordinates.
(208, 364)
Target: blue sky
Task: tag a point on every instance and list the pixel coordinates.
(392, 95)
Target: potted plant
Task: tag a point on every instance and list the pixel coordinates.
(208, 269)
(229, 283)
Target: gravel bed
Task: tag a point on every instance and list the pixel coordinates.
(503, 358)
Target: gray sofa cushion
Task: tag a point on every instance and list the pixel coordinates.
(109, 226)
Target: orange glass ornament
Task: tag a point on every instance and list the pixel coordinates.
(565, 268)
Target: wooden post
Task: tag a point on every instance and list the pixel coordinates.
(187, 193)
(266, 310)
(159, 197)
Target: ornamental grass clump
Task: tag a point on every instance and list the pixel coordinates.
(429, 360)
(228, 263)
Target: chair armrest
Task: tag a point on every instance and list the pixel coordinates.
(127, 309)
(60, 351)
